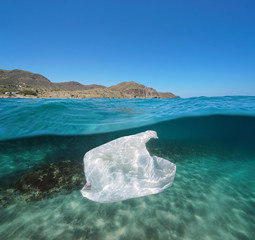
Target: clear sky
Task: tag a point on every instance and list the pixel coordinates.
(188, 47)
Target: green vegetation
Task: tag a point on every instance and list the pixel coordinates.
(28, 92)
(2, 91)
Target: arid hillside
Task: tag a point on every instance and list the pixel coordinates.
(24, 83)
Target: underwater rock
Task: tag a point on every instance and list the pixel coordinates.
(123, 169)
(44, 182)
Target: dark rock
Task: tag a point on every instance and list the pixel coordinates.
(44, 182)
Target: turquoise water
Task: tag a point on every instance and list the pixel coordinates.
(211, 141)
(33, 117)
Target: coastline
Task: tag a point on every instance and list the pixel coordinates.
(19, 96)
(23, 84)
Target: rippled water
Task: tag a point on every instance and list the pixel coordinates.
(211, 141)
(32, 117)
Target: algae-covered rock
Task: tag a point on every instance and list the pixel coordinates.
(44, 182)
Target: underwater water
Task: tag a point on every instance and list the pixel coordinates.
(211, 141)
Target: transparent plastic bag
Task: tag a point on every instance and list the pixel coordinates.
(123, 169)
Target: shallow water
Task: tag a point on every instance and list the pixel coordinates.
(212, 197)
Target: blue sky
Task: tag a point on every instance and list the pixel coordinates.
(188, 47)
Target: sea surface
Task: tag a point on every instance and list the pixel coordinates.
(210, 139)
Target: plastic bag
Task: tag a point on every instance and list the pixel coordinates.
(123, 169)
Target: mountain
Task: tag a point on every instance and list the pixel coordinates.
(28, 83)
(135, 90)
(76, 86)
(20, 79)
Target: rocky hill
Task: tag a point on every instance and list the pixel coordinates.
(135, 90)
(19, 79)
(76, 86)
(28, 83)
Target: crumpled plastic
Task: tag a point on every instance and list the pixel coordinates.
(123, 169)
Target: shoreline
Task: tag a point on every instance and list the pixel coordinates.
(55, 97)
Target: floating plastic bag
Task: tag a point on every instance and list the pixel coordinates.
(123, 169)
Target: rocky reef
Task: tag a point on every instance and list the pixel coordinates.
(44, 182)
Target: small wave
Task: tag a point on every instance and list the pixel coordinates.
(33, 117)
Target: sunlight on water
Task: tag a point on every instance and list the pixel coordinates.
(33, 117)
(211, 198)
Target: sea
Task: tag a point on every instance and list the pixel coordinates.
(210, 139)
